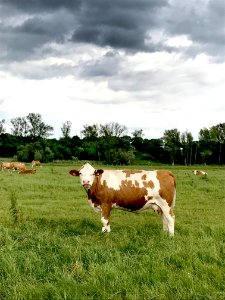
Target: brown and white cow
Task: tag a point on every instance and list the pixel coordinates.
(133, 190)
(13, 166)
(36, 163)
(27, 171)
(18, 166)
(200, 173)
(6, 166)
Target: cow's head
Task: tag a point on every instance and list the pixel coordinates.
(87, 175)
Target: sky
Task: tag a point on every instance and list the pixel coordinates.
(154, 65)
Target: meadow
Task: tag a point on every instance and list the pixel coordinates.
(52, 247)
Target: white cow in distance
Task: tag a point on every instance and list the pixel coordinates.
(36, 163)
(200, 173)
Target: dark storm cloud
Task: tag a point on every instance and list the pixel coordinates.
(41, 5)
(119, 24)
(27, 27)
(104, 23)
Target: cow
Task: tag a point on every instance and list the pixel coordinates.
(18, 166)
(27, 171)
(36, 163)
(132, 190)
(6, 166)
(200, 173)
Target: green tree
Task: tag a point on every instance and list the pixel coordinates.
(205, 144)
(137, 141)
(138, 133)
(24, 153)
(8, 145)
(205, 136)
(49, 155)
(110, 133)
(172, 143)
(205, 153)
(36, 127)
(2, 123)
(90, 150)
(90, 132)
(20, 126)
(66, 129)
(186, 147)
(112, 129)
(217, 134)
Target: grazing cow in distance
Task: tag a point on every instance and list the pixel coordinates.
(18, 166)
(6, 166)
(200, 173)
(132, 190)
(36, 163)
(27, 171)
(13, 166)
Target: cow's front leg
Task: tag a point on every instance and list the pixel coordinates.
(105, 215)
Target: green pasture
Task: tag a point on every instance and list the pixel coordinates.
(52, 247)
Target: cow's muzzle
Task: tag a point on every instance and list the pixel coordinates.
(87, 187)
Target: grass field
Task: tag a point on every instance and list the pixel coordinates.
(51, 245)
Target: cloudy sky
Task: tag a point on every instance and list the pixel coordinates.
(146, 64)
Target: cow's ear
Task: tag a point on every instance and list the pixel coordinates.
(98, 172)
(74, 173)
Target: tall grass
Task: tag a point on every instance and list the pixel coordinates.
(51, 245)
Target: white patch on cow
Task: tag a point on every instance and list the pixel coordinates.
(168, 220)
(87, 175)
(115, 177)
(200, 173)
(168, 224)
(106, 226)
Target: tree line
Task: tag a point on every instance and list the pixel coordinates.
(30, 139)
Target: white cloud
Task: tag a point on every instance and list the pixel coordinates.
(169, 73)
(183, 96)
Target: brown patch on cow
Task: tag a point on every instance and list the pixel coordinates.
(106, 208)
(74, 172)
(27, 171)
(98, 172)
(148, 184)
(144, 177)
(96, 191)
(167, 185)
(131, 172)
(136, 183)
(130, 196)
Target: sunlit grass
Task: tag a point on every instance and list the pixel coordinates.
(51, 245)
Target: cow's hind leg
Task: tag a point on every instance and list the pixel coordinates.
(168, 222)
(105, 215)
